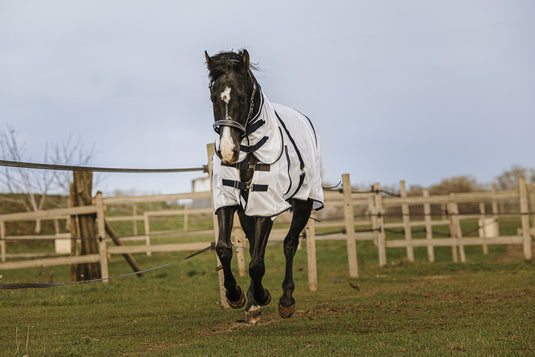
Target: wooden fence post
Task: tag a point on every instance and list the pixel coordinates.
(350, 227)
(373, 214)
(239, 239)
(57, 231)
(210, 148)
(186, 219)
(83, 182)
(134, 214)
(101, 227)
(495, 209)
(311, 256)
(483, 225)
(531, 199)
(453, 230)
(406, 221)
(428, 227)
(456, 232)
(381, 242)
(2, 240)
(75, 232)
(146, 223)
(524, 211)
(462, 253)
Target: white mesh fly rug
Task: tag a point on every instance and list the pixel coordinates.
(287, 148)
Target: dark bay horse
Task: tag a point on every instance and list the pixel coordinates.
(267, 162)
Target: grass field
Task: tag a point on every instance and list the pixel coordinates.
(484, 307)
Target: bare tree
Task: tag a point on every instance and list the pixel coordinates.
(34, 186)
(508, 180)
(69, 152)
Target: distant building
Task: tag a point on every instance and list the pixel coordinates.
(201, 184)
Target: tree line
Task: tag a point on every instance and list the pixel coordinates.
(506, 181)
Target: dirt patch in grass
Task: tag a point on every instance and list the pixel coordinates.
(223, 327)
(515, 252)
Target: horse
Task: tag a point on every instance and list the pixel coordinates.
(266, 162)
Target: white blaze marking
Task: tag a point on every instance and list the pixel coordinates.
(226, 145)
(225, 95)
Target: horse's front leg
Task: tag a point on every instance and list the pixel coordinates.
(256, 295)
(234, 294)
(301, 214)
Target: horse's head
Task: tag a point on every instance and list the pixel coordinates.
(232, 91)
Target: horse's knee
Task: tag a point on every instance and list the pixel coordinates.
(223, 250)
(290, 245)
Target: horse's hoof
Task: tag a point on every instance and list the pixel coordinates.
(267, 301)
(252, 316)
(286, 312)
(239, 303)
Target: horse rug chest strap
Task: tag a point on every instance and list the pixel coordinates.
(255, 147)
(244, 165)
(242, 186)
(254, 126)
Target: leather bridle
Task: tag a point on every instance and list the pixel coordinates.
(228, 121)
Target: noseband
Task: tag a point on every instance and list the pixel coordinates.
(233, 123)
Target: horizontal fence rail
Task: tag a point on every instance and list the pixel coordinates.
(360, 216)
(38, 166)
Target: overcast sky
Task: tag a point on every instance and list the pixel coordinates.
(413, 90)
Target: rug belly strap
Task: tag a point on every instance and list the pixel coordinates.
(242, 186)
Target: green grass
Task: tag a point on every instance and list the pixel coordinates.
(483, 307)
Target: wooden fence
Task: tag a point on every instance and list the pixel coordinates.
(365, 215)
(453, 219)
(376, 216)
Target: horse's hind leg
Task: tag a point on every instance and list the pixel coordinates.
(301, 213)
(234, 294)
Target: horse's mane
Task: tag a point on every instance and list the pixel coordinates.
(225, 62)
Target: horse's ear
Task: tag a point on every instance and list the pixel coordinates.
(208, 61)
(246, 61)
